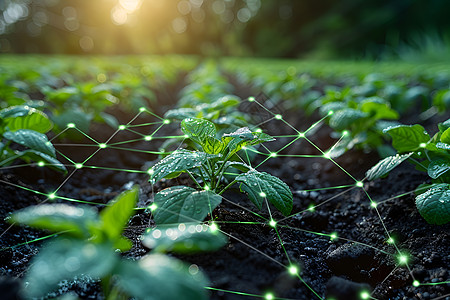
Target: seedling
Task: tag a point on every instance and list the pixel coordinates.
(88, 244)
(206, 166)
(26, 126)
(428, 154)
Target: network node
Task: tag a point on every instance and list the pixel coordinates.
(278, 117)
(390, 241)
(259, 130)
(78, 166)
(359, 184)
(70, 125)
(364, 295)
(251, 99)
(148, 138)
(312, 207)
(327, 155)
(102, 146)
(150, 171)
(166, 121)
(422, 145)
(142, 109)
(153, 207)
(51, 196)
(373, 204)
(213, 227)
(273, 223)
(330, 112)
(41, 164)
(273, 154)
(269, 296)
(333, 236)
(345, 132)
(301, 135)
(416, 283)
(262, 194)
(206, 188)
(293, 270)
(402, 259)
(122, 127)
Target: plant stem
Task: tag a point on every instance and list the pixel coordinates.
(193, 178)
(227, 187)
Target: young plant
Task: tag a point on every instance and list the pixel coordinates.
(88, 245)
(206, 165)
(26, 126)
(428, 154)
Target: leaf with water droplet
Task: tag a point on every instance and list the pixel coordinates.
(406, 138)
(385, 165)
(434, 204)
(438, 167)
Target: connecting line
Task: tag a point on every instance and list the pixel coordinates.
(244, 208)
(32, 241)
(405, 194)
(246, 294)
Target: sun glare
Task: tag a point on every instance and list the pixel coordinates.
(120, 12)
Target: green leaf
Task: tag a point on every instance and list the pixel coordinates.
(379, 110)
(434, 204)
(181, 113)
(80, 118)
(443, 146)
(110, 120)
(238, 165)
(179, 161)
(243, 137)
(31, 139)
(57, 217)
(445, 137)
(25, 117)
(444, 125)
(438, 167)
(50, 162)
(260, 185)
(158, 277)
(213, 145)
(181, 204)
(184, 238)
(198, 130)
(64, 259)
(115, 217)
(343, 118)
(384, 166)
(406, 138)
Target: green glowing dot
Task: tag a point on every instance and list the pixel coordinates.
(327, 155)
(333, 236)
(278, 117)
(345, 132)
(153, 207)
(273, 223)
(301, 135)
(273, 154)
(293, 270)
(391, 240)
(262, 194)
(251, 99)
(41, 164)
(142, 109)
(71, 125)
(330, 112)
(48, 143)
(78, 166)
(102, 145)
(269, 296)
(166, 121)
(213, 226)
(186, 136)
(122, 127)
(359, 184)
(148, 138)
(244, 148)
(416, 283)
(150, 171)
(422, 145)
(365, 295)
(403, 259)
(52, 196)
(311, 207)
(373, 204)
(206, 188)
(259, 130)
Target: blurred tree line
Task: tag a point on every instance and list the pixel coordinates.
(270, 28)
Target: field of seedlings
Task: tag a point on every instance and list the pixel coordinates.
(179, 177)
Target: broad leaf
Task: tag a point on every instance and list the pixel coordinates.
(213, 145)
(57, 217)
(179, 161)
(379, 110)
(445, 137)
(406, 138)
(181, 204)
(31, 139)
(25, 117)
(384, 166)
(158, 277)
(438, 167)
(50, 162)
(243, 137)
(115, 217)
(260, 185)
(443, 146)
(434, 204)
(343, 118)
(64, 259)
(181, 113)
(184, 238)
(198, 130)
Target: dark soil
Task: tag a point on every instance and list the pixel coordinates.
(254, 260)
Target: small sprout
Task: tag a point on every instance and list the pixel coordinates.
(293, 270)
(166, 121)
(251, 99)
(78, 166)
(273, 223)
(51, 196)
(122, 127)
(148, 138)
(70, 125)
(41, 163)
(333, 236)
(416, 283)
(364, 295)
(102, 145)
(273, 154)
(278, 117)
(262, 194)
(269, 296)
